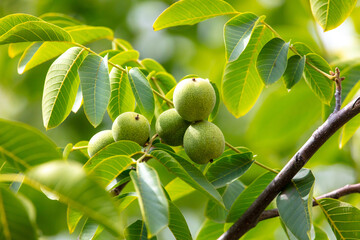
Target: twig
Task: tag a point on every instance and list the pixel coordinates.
(337, 79)
(162, 97)
(146, 153)
(251, 217)
(116, 191)
(256, 162)
(346, 190)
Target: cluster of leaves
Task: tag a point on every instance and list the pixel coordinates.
(79, 76)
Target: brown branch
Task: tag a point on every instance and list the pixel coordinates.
(251, 217)
(338, 193)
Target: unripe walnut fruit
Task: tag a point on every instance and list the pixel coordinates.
(203, 141)
(194, 99)
(99, 141)
(171, 127)
(131, 126)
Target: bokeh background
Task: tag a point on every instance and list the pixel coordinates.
(274, 129)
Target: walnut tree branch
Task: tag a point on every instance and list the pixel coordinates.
(251, 217)
(338, 193)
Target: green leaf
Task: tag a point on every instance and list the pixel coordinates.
(331, 13)
(80, 34)
(302, 48)
(248, 196)
(78, 100)
(67, 150)
(165, 80)
(143, 93)
(177, 189)
(110, 53)
(27, 28)
(95, 86)
(343, 218)
(295, 204)
(124, 200)
(20, 145)
(121, 98)
(228, 168)
(230, 193)
(119, 148)
(80, 145)
(121, 44)
(237, 33)
(319, 84)
(17, 48)
(294, 70)
(320, 234)
(217, 103)
(61, 86)
(350, 128)
(188, 173)
(242, 84)
(124, 57)
(288, 233)
(162, 146)
(177, 223)
(189, 12)
(69, 182)
(60, 19)
(152, 65)
(210, 230)
(73, 217)
(89, 230)
(15, 219)
(122, 178)
(272, 60)
(109, 168)
(152, 200)
(137, 231)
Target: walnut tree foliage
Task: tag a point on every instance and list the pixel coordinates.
(115, 81)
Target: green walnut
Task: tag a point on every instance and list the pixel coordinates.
(194, 99)
(131, 126)
(203, 141)
(99, 141)
(171, 127)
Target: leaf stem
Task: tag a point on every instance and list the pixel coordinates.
(296, 52)
(256, 162)
(146, 153)
(163, 97)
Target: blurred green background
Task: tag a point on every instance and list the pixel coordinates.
(274, 129)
